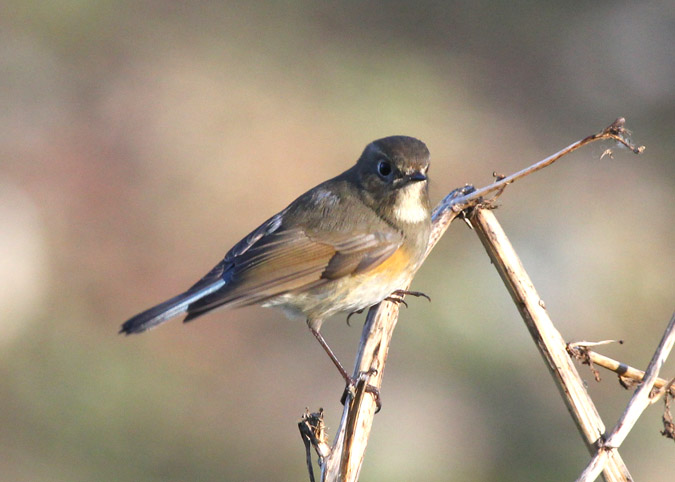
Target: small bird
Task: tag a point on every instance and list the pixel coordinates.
(343, 246)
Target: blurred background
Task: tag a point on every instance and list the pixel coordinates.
(140, 140)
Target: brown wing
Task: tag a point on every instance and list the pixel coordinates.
(274, 260)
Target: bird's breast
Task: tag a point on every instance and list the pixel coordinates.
(352, 292)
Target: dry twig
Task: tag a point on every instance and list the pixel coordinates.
(580, 351)
(668, 425)
(551, 345)
(640, 400)
(344, 461)
(313, 433)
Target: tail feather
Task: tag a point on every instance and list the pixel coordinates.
(168, 309)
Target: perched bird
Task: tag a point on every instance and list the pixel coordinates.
(343, 246)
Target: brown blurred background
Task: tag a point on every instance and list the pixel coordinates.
(140, 140)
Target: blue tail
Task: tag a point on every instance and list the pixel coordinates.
(170, 308)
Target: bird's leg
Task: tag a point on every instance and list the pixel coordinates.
(336, 362)
(351, 382)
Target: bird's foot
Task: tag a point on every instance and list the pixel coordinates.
(397, 296)
(396, 299)
(352, 383)
(411, 293)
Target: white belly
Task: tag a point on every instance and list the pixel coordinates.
(334, 297)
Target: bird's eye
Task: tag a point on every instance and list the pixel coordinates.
(384, 169)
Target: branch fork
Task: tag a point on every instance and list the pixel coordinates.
(345, 457)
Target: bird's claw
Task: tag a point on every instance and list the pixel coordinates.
(352, 314)
(401, 293)
(350, 389)
(396, 299)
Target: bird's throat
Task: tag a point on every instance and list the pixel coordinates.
(410, 205)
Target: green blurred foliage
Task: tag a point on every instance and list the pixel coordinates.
(139, 140)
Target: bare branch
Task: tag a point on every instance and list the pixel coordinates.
(668, 424)
(551, 345)
(640, 400)
(616, 131)
(346, 457)
(581, 353)
(642, 397)
(313, 433)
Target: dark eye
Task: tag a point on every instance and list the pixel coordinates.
(384, 169)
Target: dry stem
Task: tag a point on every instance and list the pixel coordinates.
(640, 400)
(580, 351)
(346, 457)
(549, 341)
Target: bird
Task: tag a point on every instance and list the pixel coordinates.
(343, 246)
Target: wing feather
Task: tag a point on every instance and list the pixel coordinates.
(276, 259)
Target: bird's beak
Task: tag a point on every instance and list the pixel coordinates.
(417, 176)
